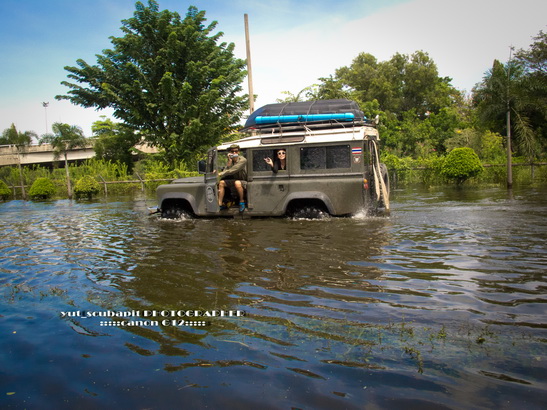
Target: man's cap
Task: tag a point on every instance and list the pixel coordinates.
(234, 146)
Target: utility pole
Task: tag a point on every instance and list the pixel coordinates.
(509, 162)
(45, 105)
(249, 68)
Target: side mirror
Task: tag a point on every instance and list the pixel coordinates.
(201, 166)
(376, 120)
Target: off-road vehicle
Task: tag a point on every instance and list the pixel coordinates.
(332, 166)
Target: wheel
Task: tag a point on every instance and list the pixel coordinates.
(310, 212)
(385, 175)
(174, 213)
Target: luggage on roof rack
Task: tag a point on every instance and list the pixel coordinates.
(290, 114)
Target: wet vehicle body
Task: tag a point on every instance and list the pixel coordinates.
(332, 166)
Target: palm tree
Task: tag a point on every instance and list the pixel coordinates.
(65, 138)
(21, 141)
(506, 89)
(534, 61)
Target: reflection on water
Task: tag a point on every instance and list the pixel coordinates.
(442, 304)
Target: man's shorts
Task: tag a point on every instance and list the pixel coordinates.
(231, 183)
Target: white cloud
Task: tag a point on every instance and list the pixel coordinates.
(463, 38)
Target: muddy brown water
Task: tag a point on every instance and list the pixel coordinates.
(442, 304)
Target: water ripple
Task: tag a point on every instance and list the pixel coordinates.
(444, 299)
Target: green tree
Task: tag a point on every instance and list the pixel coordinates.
(168, 79)
(534, 85)
(520, 90)
(418, 109)
(115, 141)
(534, 60)
(330, 89)
(65, 138)
(488, 145)
(306, 94)
(403, 83)
(21, 141)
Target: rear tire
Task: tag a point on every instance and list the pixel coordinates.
(310, 212)
(385, 176)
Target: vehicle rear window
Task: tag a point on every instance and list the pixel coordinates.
(327, 157)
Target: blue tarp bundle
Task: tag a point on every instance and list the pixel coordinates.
(303, 112)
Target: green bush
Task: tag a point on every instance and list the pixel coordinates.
(42, 188)
(5, 192)
(86, 187)
(461, 164)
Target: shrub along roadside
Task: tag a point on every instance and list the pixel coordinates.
(5, 192)
(42, 188)
(461, 164)
(100, 170)
(86, 187)
(153, 172)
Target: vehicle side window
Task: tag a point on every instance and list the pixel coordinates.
(329, 157)
(338, 156)
(258, 159)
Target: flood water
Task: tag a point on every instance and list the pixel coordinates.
(440, 305)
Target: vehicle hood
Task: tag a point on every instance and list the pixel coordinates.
(188, 180)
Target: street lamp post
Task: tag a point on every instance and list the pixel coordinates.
(508, 120)
(45, 105)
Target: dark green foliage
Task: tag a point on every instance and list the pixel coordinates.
(166, 78)
(10, 136)
(418, 109)
(461, 164)
(86, 187)
(42, 188)
(21, 140)
(115, 141)
(403, 83)
(65, 137)
(488, 145)
(5, 192)
(520, 87)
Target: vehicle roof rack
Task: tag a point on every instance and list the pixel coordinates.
(297, 115)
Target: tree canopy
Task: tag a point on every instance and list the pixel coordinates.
(419, 109)
(65, 137)
(114, 141)
(10, 136)
(422, 114)
(520, 87)
(21, 140)
(167, 78)
(403, 83)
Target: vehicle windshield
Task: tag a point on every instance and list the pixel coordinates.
(211, 157)
(222, 159)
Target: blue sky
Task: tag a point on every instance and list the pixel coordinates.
(293, 42)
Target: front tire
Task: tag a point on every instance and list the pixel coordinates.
(174, 213)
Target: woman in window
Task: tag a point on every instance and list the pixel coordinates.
(279, 162)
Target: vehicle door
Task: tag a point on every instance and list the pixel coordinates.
(267, 190)
(211, 188)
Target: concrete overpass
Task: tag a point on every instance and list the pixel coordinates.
(43, 154)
